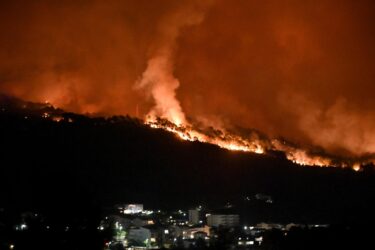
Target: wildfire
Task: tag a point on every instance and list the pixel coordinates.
(300, 156)
(159, 83)
(356, 167)
(229, 141)
(226, 141)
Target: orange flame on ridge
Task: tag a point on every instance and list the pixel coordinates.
(233, 142)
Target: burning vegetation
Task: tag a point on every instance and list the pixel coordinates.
(254, 143)
(160, 84)
(186, 61)
(250, 141)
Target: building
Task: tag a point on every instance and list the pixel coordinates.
(193, 216)
(133, 208)
(139, 236)
(196, 232)
(263, 197)
(246, 241)
(225, 220)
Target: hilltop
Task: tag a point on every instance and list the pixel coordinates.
(54, 160)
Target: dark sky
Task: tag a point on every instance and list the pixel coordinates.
(303, 70)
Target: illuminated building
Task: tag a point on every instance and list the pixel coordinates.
(225, 220)
(139, 236)
(245, 241)
(193, 216)
(197, 232)
(133, 208)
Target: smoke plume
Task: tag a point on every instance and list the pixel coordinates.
(158, 79)
(299, 70)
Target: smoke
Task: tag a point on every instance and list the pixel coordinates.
(300, 70)
(158, 79)
(338, 122)
(284, 68)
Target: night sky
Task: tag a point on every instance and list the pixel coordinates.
(89, 88)
(303, 70)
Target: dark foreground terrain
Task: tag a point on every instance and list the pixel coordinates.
(71, 167)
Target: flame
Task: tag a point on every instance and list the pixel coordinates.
(226, 141)
(159, 82)
(232, 142)
(57, 118)
(356, 167)
(300, 156)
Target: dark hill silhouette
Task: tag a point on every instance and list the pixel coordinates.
(60, 162)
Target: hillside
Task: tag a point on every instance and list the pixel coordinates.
(56, 161)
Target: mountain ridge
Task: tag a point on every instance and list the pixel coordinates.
(91, 161)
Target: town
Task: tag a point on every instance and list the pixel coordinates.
(133, 226)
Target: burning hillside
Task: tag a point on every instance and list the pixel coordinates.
(301, 71)
(159, 83)
(251, 141)
(255, 143)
